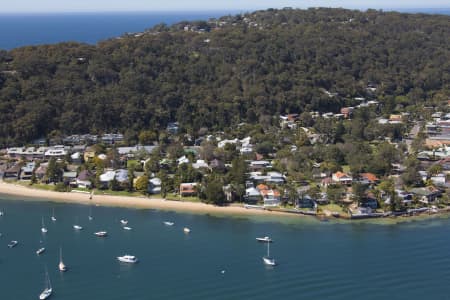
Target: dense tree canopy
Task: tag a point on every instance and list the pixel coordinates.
(223, 72)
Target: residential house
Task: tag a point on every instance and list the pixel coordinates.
(41, 171)
(83, 179)
(188, 189)
(70, 178)
(439, 179)
(27, 171)
(258, 165)
(154, 186)
(427, 194)
(271, 197)
(252, 195)
(12, 172)
(341, 178)
(369, 178)
(347, 112)
(216, 164)
(89, 154)
(200, 163)
(58, 151)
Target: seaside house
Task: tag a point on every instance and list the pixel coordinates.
(252, 195)
(154, 186)
(427, 194)
(41, 171)
(27, 171)
(83, 179)
(188, 189)
(70, 178)
(270, 197)
(12, 172)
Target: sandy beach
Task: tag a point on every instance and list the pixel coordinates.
(130, 202)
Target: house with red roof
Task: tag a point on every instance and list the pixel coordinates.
(341, 178)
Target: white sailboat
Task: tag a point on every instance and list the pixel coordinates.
(61, 266)
(40, 251)
(47, 292)
(76, 226)
(267, 259)
(43, 228)
(90, 214)
(53, 215)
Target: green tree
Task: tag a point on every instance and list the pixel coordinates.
(142, 184)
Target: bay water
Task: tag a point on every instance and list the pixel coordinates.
(219, 258)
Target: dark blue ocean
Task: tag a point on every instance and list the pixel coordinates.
(33, 29)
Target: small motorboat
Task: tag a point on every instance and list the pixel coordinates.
(77, 227)
(168, 223)
(101, 233)
(40, 250)
(128, 259)
(186, 230)
(265, 239)
(127, 228)
(12, 244)
(124, 222)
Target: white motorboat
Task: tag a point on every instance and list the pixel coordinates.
(168, 223)
(1, 213)
(47, 292)
(124, 222)
(53, 215)
(77, 227)
(267, 259)
(61, 266)
(101, 233)
(12, 244)
(40, 250)
(43, 228)
(186, 230)
(265, 239)
(128, 259)
(127, 228)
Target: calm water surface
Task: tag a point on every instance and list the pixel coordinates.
(317, 260)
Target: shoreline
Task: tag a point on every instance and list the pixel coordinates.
(33, 194)
(132, 202)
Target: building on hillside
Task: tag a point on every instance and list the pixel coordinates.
(342, 178)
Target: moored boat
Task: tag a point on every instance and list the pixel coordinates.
(12, 244)
(128, 259)
(40, 250)
(267, 259)
(186, 230)
(124, 222)
(101, 233)
(168, 223)
(127, 228)
(61, 266)
(47, 292)
(77, 227)
(265, 239)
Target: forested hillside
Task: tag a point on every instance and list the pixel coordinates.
(221, 72)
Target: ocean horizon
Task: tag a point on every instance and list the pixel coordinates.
(29, 29)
